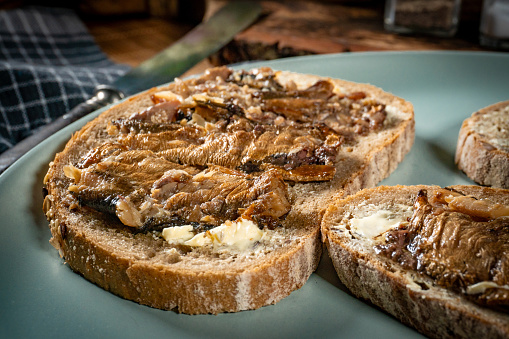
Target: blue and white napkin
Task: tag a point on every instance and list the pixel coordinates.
(49, 63)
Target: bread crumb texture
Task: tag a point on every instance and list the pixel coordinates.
(482, 151)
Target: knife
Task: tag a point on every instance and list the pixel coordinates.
(205, 39)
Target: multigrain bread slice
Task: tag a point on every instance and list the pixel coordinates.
(482, 151)
(165, 158)
(434, 258)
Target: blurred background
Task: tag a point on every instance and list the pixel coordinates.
(130, 31)
(54, 53)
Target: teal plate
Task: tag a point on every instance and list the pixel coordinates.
(41, 297)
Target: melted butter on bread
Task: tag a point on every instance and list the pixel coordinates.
(482, 286)
(178, 234)
(240, 235)
(380, 221)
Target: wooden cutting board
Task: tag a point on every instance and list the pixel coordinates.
(286, 28)
(306, 27)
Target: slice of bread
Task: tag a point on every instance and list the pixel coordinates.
(118, 254)
(482, 151)
(416, 263)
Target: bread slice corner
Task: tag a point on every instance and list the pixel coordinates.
(482, 150)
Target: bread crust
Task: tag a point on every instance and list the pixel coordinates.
(408, 296)
(481, 160)
(147, 270)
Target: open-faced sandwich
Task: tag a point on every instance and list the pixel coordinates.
(206, 195)
(437, 259)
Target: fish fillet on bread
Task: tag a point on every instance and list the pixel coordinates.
(206, 195)
(435, 258)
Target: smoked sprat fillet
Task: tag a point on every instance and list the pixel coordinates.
(435, 258)
(205, 196)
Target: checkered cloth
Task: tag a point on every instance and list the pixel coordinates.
(49, 63)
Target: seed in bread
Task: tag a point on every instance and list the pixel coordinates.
(482, 151)
(206, 195)
(434, 258)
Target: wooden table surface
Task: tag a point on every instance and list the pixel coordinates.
(284, 29)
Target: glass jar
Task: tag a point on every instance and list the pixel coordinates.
(434, 17)
(494, 28)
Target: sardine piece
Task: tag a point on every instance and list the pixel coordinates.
(144, 191)
(456, 250)
(287, 147)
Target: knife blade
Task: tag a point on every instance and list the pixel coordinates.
(202, 41)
